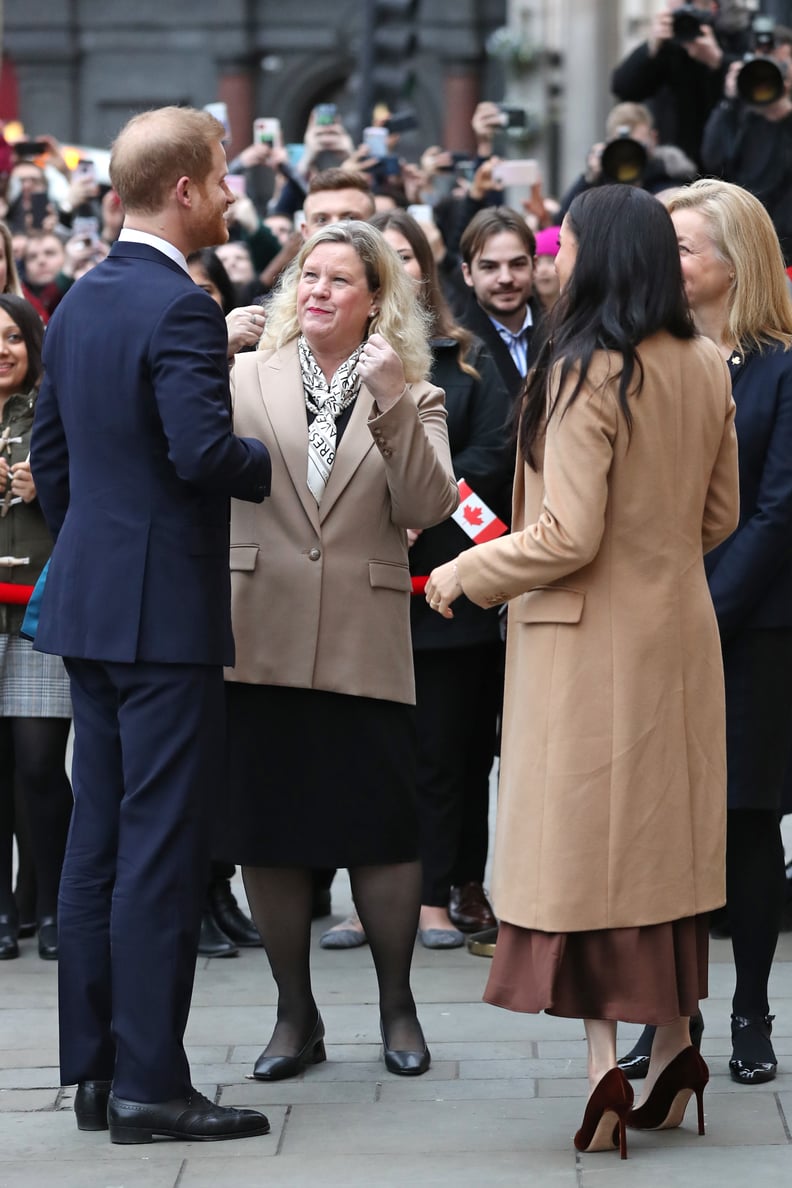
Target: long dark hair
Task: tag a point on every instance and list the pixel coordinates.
(625, 286)
(215, 269)
(32, 330)
(432, 298)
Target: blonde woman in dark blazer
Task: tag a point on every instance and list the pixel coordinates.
(322, 745)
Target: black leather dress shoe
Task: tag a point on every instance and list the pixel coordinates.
(635, 1065)
(227, 915)
(48, 938)
(753, 1061)
(405, 1064)
(193, 1118)
(90, 1104)
(278, 1068)
(9, 931)
(213, 942)
(469, 908)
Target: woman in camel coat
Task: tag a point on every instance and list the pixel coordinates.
(611, 817)
(321, 731)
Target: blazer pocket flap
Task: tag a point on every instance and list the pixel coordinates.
(243, 557)
(548, 604)
(390, 574)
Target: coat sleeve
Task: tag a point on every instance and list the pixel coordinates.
(577, 460)
(722, 507)
(49, 457)
(640, 75)
(412, 438)
(748, 562)
(189, 371)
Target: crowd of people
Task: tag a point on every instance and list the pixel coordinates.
(474, 455)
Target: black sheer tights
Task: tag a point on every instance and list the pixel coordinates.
(387, 899)
(33, 751)
(755, 890)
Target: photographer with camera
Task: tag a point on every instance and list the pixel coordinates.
(631, 155)
(679, 70)
(748, 137)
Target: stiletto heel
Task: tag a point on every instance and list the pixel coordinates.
(665, 1106)
(605, 1115)
(700, 1105)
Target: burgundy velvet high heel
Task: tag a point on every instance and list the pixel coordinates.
(606, 1114)
(665, 1106)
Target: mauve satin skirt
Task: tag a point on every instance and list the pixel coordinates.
(651, 974)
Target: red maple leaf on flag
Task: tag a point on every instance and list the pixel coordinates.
(473, 515)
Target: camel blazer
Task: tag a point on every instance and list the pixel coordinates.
(612, 800)
(321, 594)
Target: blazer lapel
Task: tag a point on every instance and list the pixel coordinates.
(284, 402)
(355, 444)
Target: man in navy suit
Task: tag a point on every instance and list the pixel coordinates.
(135, 461)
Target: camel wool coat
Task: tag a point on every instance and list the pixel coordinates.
(320, 595)
(612, 800)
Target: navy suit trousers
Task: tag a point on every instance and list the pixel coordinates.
(148, 761)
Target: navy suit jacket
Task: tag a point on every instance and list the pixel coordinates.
(750, 574)
(134, 461)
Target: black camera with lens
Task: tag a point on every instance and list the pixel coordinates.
(761, 80)
(623, 159)
(688, 22)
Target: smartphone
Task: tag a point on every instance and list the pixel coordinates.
(512, 117)
(39, 209)
(516, 173)
(85, 169)
(376, 141)
(87, 227)
(299, 220)
(295, 152)
(236, 184)
(267, 130)
(220, 112)
(402, 121)
(325, 114)
(422, 212)
(30, 148)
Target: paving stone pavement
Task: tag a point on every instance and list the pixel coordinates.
(499, 1106)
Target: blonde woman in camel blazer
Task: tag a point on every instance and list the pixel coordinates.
(320, 702)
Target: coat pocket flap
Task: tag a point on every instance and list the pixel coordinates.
(390, 574)
(243, 557)
(548, 604)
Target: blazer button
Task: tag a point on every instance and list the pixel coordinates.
(386, 453)
(314, 554)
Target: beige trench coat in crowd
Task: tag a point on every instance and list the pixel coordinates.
(612, 800)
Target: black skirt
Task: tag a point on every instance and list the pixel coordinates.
(317, 779)
(757, 667)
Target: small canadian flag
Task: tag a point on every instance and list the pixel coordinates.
(475, 519)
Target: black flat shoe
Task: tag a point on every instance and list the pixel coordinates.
(48, 938)
(635, 1065)
(193, 1119)
(405, 1064)
(212, 941)
(238, 927)
(9, 932)
(753, 1060)
(90, 1104)
(278, 1068)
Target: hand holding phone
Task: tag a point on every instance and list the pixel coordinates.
(267, 130)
